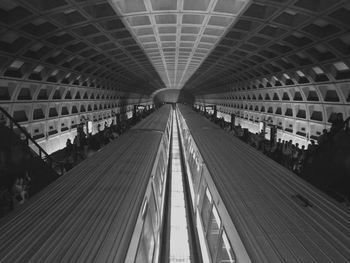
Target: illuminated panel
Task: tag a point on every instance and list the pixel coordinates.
(179, 240)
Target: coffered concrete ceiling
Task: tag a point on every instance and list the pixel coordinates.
(202, 46)
(177, 35)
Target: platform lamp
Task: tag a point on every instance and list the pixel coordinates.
(114, 117)
(233, 120)
(264, 121)
(85, 121)
(273, 133)
(237, 114)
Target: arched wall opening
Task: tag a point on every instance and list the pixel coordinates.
(172, 96)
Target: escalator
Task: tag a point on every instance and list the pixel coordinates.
(24, 169)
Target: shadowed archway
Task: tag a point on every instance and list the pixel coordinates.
(172, 96)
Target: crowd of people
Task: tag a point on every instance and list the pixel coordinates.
(324, 162)
(18, 166)
(22, 174)
(85, 145)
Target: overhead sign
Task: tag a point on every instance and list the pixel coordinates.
(209, 109)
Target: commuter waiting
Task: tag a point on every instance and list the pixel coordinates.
(325, 164)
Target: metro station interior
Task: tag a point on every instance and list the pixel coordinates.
(175, 131)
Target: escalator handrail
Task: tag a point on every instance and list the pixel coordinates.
(46, 156)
